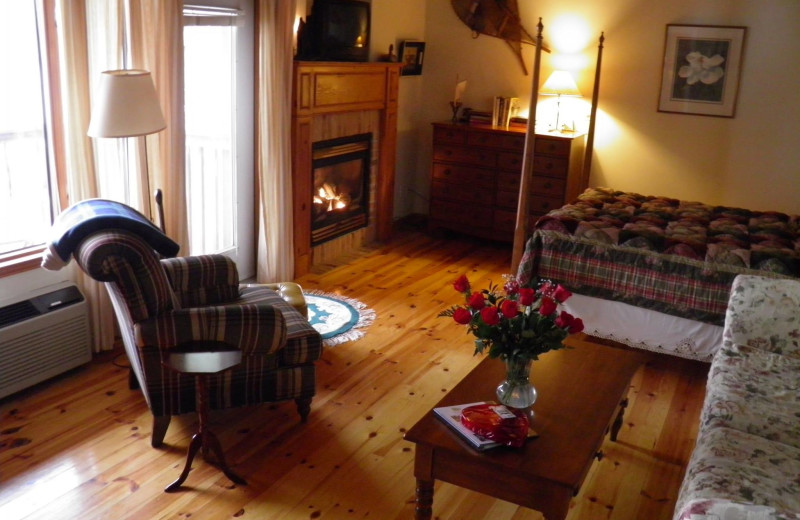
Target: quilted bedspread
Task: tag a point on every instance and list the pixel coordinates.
(659, 253)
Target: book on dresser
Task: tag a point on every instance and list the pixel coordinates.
(476, 171)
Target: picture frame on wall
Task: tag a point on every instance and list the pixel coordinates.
(702, 66)
(411, 54)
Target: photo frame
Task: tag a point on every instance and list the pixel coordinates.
(411, 55)
(702, 66)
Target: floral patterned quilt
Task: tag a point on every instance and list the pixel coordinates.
(672, 256)
(746, 464)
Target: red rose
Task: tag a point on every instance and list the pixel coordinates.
(548, 306)
(476, 301)
(561, 294)
(462, 316)
(526, 296)
(490, 316)
(509, 308)
(461, 284)
(576, 327)
(564, 320)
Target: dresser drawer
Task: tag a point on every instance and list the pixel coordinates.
(463, 193)
(548, 186)
(507, 181)
(551, 146)
(489, 140)
(510, 161)
(455, 173)
(504, 224)
(472, 156)
(541, 205)
(449, 135)
(550, 166)
(506, 199)
(465, 218)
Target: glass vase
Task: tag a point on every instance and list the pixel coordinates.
(517, 391)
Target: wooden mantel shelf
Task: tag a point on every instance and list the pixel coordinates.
(339, 87)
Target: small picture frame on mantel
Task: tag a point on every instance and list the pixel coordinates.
(701, 69)
(411, 54)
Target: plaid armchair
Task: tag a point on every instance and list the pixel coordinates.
(162, 303)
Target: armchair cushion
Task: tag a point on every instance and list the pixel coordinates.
(202, 280)
(252, 328)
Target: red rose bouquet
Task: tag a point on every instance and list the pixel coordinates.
(519, 324)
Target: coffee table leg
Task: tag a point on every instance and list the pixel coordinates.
(618, 421)
(424, 509)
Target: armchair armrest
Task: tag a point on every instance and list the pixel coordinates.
(252, 328)
(202, 280)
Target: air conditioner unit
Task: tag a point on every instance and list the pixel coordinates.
(43, 334)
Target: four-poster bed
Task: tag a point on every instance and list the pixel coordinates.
(648, 272)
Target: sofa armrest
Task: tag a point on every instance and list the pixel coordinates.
(203, 279)
(764, 313)
(253, 328)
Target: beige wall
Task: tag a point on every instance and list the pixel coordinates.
(752, 160)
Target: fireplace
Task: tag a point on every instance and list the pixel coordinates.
(340, 170)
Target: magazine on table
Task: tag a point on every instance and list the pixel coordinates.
(451, 415)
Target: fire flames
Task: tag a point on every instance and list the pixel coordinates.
(327, 194)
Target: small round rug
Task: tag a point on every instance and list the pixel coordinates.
(337, 318)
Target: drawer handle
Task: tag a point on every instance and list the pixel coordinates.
(447, 171)
(549, 165)
(548, 185)
(551, 147)
(448, 152)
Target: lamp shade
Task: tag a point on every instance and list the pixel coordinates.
(560, 83)
(126, 105)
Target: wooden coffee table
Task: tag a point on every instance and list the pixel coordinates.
(582, 396)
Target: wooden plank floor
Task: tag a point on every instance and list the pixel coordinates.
(78, 446)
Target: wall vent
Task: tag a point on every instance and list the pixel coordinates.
(41, 336)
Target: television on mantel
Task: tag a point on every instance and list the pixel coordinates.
(336, 30)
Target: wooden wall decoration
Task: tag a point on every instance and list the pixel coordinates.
(498, 18)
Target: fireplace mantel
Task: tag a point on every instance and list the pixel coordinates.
(321, 88)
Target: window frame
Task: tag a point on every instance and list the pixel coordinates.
(29, 258)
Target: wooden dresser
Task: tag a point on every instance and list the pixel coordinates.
(476, 173)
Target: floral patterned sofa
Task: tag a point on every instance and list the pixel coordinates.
(746, 464)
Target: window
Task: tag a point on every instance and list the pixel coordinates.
(218, 80)
(26, 194)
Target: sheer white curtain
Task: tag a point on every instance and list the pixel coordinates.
(275, 22)
(82, 182)
(98, 35)
(156, 44)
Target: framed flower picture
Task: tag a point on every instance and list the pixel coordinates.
(702, 64)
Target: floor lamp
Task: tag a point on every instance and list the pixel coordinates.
(127, 106)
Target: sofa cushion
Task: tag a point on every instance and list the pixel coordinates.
(731, 467)
(754, 391)
(763, 313)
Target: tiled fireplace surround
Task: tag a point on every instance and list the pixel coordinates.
(332, 100)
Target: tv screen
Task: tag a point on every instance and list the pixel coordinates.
(341, 30)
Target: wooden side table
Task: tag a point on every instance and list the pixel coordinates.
(202, 359)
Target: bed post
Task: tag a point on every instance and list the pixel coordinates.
(522, 229)
(587, 161)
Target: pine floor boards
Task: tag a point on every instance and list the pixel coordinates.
(78, 446)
